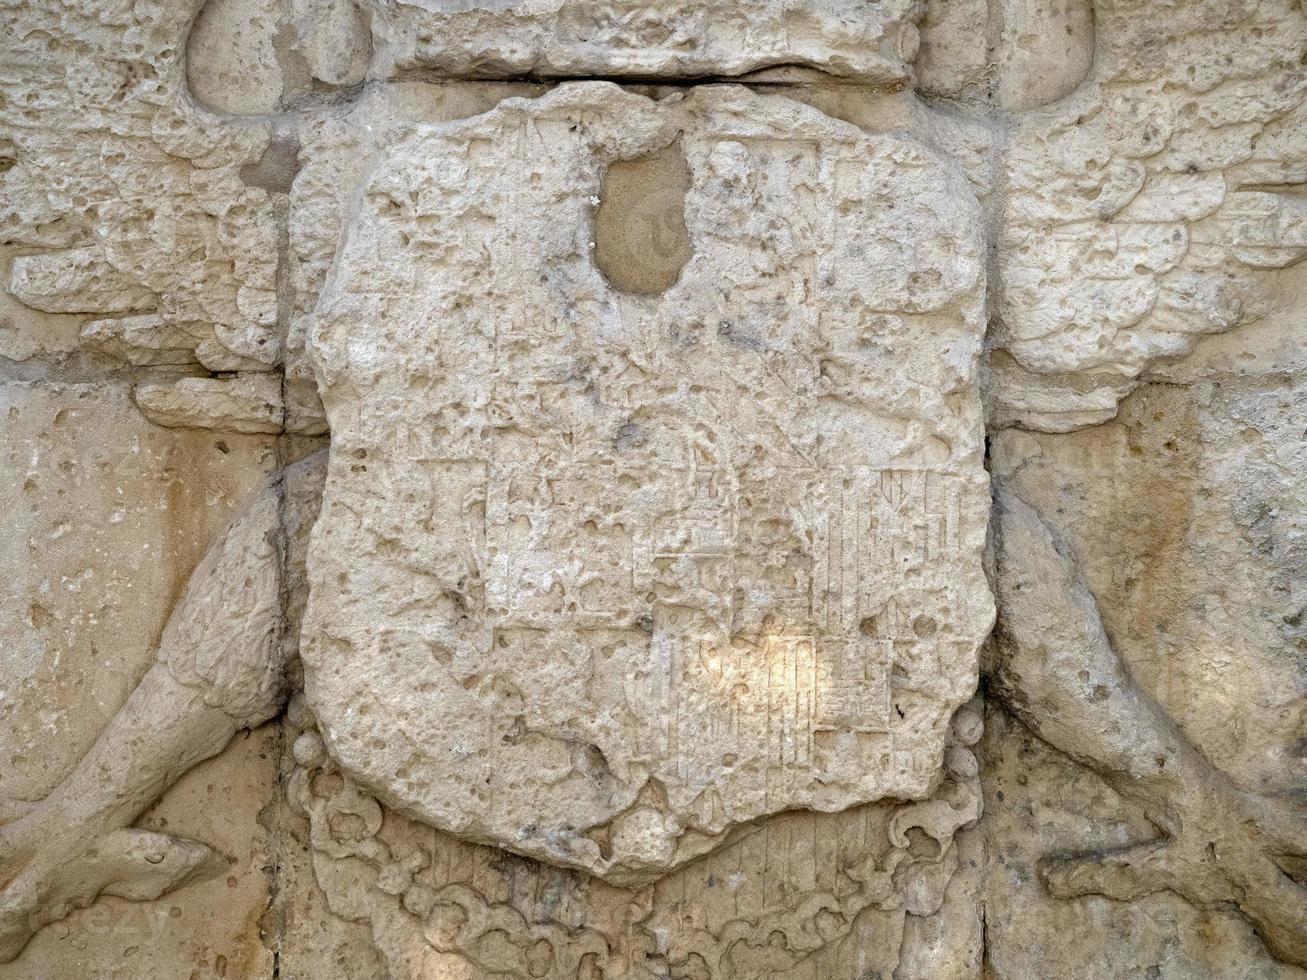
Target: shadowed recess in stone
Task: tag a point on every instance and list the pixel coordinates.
(641, 242)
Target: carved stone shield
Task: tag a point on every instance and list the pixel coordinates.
(604, 574)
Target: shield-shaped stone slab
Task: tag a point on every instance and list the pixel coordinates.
(610, 564)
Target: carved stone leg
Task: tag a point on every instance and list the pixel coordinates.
(1055, 669)
(72, 846)
(220, 669)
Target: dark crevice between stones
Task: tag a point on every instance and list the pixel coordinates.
(778, 76)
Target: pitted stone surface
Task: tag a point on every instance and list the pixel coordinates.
(656, 496)
(600, 576)
(1154, 205)
(852, 39)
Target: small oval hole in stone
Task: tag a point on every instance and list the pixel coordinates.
(641, 241)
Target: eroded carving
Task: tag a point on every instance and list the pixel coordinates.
(672, 556)
(1145, 209)
(1056, 669)
(801, 895)
(872, 43)
(671, 564)
(641, 243)
(220, 668)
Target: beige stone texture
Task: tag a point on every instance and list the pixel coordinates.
(250, 404)
(123, 197)
(1149, 207)
(210, 928)
(1037, 802)
(1184, 516)
(873, 43)
(108, 514)
(262, 57)
(696, 558)
(695, 381)
(883, 888)
(1189, 526)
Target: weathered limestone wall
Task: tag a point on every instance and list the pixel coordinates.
(645, 490)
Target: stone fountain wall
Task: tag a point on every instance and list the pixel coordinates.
(650, 489)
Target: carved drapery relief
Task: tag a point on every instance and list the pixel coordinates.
(641, 621)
